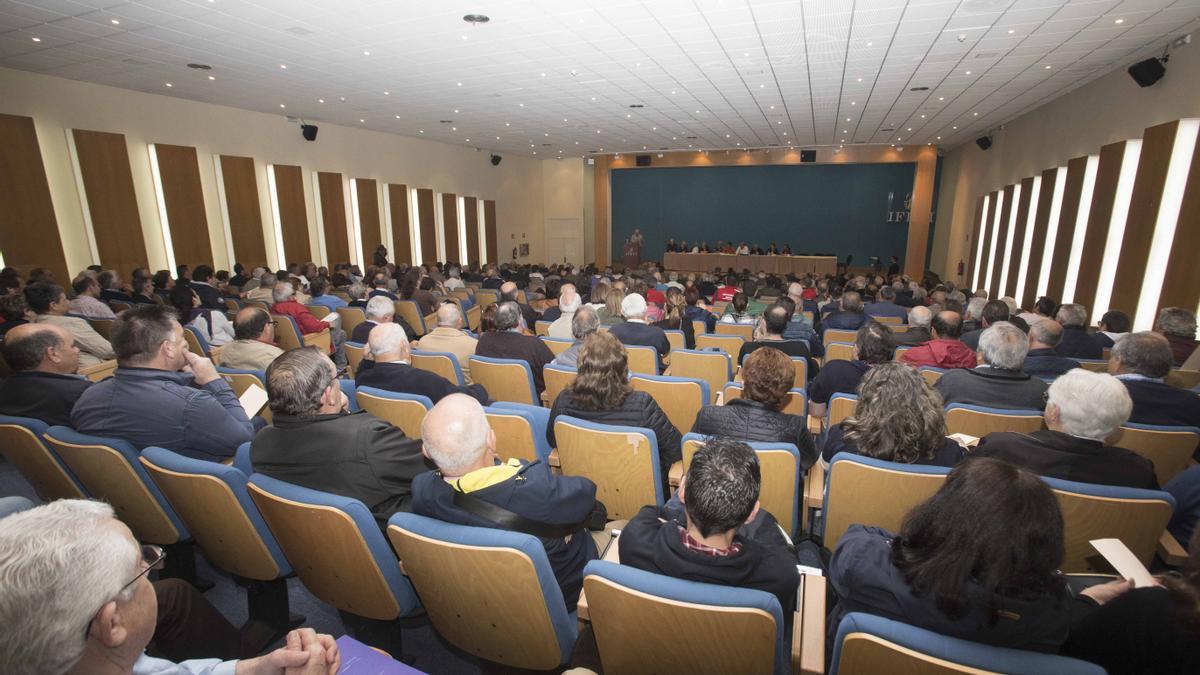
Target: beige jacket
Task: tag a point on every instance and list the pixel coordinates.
(248, 355)
(456, 342)
(93, 348)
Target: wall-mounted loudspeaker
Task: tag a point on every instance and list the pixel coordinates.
(1147, 72)
(984, 142)
(643, 160)
(309, 131)
(496, 160)
(808, 155)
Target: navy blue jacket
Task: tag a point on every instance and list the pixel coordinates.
(886, 308)
(637, 334)
(536, 494)
(210, 297)
(1078, 344)
(1160, 403)
(405, 379)
(1046, 363)
(842, 320)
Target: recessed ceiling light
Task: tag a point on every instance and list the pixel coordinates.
(521, 105)
(922, 117)
(543, 74)
(212, 77)
(507, 124)
(653, 128)
(283, 65)
(1047, 67)
(117, 22)
(397, 117)
(476, 18)
(843, 131)
(366, 53)
(420, 131)
(1119, 21)
(453, 128)
(468, 140)
(968, 72)
(847, 119)
(975, 114)
(785, 133)
(458, 83)
(860, 79)
(597, 131)
(853, 102)
(37, 39)
(638, 65)
(726, 135)
(387, 93)
(953, 127)
(281, 105)
(576, 142)
(456, 110)
(343, 99)
(697, 112)
(546, 134)
(1011, 31)
(778, 121)
(171, 85)
(465, 37)
(910, 128)
(939, 138)
(320, 100)
(941, 98)
(870, 44)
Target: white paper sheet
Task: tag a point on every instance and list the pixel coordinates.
(1123, 561)
(253, 400)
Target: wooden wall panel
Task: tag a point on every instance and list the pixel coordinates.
(489, 229)
(293, 214)
(111, 201)
(401, 224)
(985, 254)
(367, 191)
(450, 226)
(1108, 173)
(242, 207)
(471, 217)
(1018, 245)
(333, 217)
(28, 227)
(183, 200)
(973, 242)
(428, 225)
(1041, 226)
(1157, 143)
(1066, 227)
(997, 263)
(1181, 286)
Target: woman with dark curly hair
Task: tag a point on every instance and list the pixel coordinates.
(898, 418)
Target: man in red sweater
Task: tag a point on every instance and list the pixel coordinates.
(945, 350)
(285, 303)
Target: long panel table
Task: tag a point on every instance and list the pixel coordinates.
(774, 264)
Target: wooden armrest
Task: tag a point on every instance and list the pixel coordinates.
(808, 627)
(553, 459)
(675, 474)
(321, 339)
(814, 486)
(1170, 551)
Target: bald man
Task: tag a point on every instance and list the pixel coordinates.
(44, 385)
(1042, 360)
(473, 487)
(392, 369)
(449, 337)
(508, 291)
(253, 347)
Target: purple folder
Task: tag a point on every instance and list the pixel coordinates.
(359, 659)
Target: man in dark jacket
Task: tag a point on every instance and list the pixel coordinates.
(210, 296)
(392, 370)
(635, 332)
(456, 436)
(316, 444)
(1042, 361)
(508, 342)
(998, 381)
(724, 537)
(1083, 409)
(1141, 361)
(993, 312)
(849, 317)
(919, 318)
(874, 343)
(44, 385)
(885, 305)
(1076, 343)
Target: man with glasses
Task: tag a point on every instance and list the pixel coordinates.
(162, 394)
(254, 345)
(76, 598)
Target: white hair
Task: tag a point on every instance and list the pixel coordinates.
(60, 563)
(1003, 345)
(460, 440)
(1090, 405)
(571, 304)
(633, 306)
(975, 307)
(379, 307)
(920, 317)
(386, 338)
(283, 291)
(1072, 314)
(448, 314)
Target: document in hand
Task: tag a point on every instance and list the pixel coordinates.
(253, 400)
(360, 659)
(1123, 561)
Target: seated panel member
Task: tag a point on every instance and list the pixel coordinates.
(393, 370)
(43, 385)
(456, 436)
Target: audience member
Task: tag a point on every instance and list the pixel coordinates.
(143, 292)
(601, 393)
(358, 295)
(162, 394)
(738, 310)
(723, 536)
(471, 486)
(898, 418)
(1141, 361)
(1042, 360)
(610, 313)
(674, 317)
(43, 385)
(1178, 325)
(420, 292)
(319, 289)
(315, 443)
(253, 347)
(696, 311)
(265, 291)
(212, 324)
(945, 350)
(50, 304)
(111, 287)
(993, 311)
(202, 283)
(635, 332)
(508, 292)
(848, 317)
(919, 319)
(998, 382)
(584, 323)
(1076, 343)
(86, 302)
(508, 342)
(568, 303)
(1112, 326)
(449, 337)
(1044, 308)
(873, 344)
(14, 311)
(381, 286)
(769, 333)
(1083, 410)
(758, 414)
(286, 304)
(393, 370)
(885, 305)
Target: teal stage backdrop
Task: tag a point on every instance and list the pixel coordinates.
(836, 209)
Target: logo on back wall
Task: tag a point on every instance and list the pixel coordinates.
(898, 209)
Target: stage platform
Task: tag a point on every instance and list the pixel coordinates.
(773, 264)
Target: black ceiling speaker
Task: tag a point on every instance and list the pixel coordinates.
(496, 160)
(984, 142)
(808, 155)
(1147, 72)
(642, 160)
(309, 131)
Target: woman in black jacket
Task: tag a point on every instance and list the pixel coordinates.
(674, 317)
(601, 393)
(767, 375)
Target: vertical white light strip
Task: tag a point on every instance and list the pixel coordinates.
(480, 218)
(979, 244)
(1008, 241)
(1116, 226)
(323, 254)
(224, 204)
(991, 259)
(387, 224)
(356, 224)
(1164, 226)
(164, 222)
(462, 230)
(276, 222)
(415, 227)
(439, 226)
(1081, 220)
(1060, 186)
(81, 190)
(1035, 191)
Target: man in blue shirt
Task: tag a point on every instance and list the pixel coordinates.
(317, 289)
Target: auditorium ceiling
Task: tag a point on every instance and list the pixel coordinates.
(569, 77)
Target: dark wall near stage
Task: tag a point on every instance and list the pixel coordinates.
(839, 209)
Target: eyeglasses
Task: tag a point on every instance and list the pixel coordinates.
(152, 557)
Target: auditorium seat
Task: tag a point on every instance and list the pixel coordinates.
(833, 335)
(102, 326)
(197, 343)
(797, 401)
(318, 311)
(557, 378)
(779, 465)
(676, 339)
(99, 371)
(742, 330)
(403, 411)
(520, 431)
(541, 328)
(1170, 448)
(979, 421)
(863, 490)
(411, 312)
(730, 344)
(486, 296)
(679, 397)
(22, 445)
(289, 336)
(520, 623)
(473, 317)
(355, 352)
(839, 351)
(241, 380)
(621, 461)
(642, 359)
(505, 379)
(1094, 365)
(840, 407)
(557, 345)
(1137, 517)
(443, 364)
(351, 317)
(931, 374)
(715, 368)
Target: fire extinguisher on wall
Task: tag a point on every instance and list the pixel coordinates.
(961, 269)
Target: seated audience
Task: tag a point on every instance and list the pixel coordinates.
(976, 561)
(266, 289)
(723, 536)
(873, 344)
(143, 292)
(849, 316)
(77, 598)
(1042, 360)
(885, 305)
(358, 295)
(316, 443)
(393, 370)
(1112, 326)
(508, 293)
(1076, 343)
(111, 287)
(379, 310)
(253, 347)
(584, 323)
(998, 382)
(601, 393)
(212, 324)
(568, 303)
(898, 418)
(287, 304)
(456, 436)
(696, 311)
(993, 311)
(50, 304)
(769, 333)
(800, 327)
(202, 283)
(973, 315)
(635, 332)
(450, 337)
(162, 394)
(554, 292)
(420, 292)
(86, 302)
(1082, 411)
(610, 313)
(674, 317)
(1178, 325)
(43, 385)
(758, 415)
(381, 286)
(508, 342)
(944, 350)
(1044, 308)
(1141, 361)
(919, 320)
(738, 310)
(14, 311)
(319, 289)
